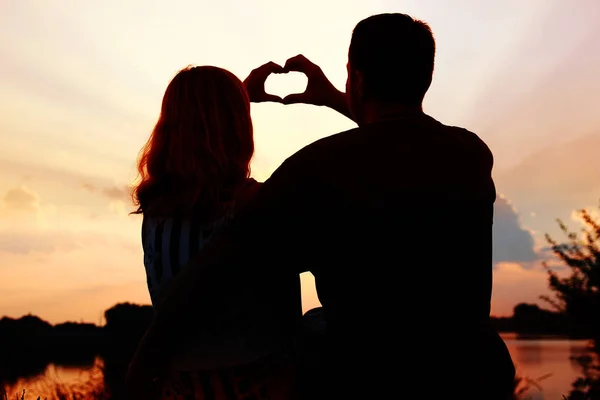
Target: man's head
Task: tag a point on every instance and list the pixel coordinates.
(390, 63)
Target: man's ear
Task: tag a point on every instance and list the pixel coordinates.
(359, 83)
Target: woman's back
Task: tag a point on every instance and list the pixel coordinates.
(194, 165)
(169, 243)
(194, 173)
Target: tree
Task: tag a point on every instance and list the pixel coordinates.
(578, 295)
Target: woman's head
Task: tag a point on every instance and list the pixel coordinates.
(200, 149)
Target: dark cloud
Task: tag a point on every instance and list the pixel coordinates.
(512, 243)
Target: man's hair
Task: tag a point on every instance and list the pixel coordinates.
(395, 54)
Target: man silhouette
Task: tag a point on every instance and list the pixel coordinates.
(394, 220)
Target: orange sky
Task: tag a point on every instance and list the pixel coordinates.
(81, 85)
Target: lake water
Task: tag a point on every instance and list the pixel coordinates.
(547, 360)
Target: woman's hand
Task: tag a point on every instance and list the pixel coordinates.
(255, 83)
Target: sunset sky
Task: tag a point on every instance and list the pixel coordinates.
(81, 84)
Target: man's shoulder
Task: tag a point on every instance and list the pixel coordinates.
(475, 144)
(320, 148)
(324, 144)
(466, 135)
(310, 162)
(409, 135)
(466, 140)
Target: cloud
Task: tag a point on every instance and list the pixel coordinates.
(70, 191)
(89, 186)
(122, 193)
(518, 283)
(42, 241)
(519, 275)
(554, 181)
(119, 197)
(24, 227)
(592, 211)
(20, 208)
(512, 242)
(21, 198)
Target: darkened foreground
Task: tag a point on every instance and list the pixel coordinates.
(29, 344)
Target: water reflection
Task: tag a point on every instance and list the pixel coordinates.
(55, 380)
(549, 361)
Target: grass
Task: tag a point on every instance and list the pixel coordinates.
(95, 390)
(524, 384)
(59, 391)
(63, 392)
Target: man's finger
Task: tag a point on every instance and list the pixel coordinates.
(268, 69)
(272, 97)
(294, 65)
(295, 98)
(298, 63)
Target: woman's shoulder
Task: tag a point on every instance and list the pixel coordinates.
(247, 192)
(250, 184)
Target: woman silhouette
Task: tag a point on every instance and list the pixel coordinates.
(194, 174)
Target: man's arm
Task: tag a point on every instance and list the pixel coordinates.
(337, 102)
(256, 252)
(319, 90)
(256, 245)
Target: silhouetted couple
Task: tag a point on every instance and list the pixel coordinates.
(393, 219)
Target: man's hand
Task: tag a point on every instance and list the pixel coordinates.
(141, 383)
(319, 91)
(255, 83)
(145, 369)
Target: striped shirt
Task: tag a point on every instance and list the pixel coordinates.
(168, 245)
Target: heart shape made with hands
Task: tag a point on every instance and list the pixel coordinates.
(286, 83)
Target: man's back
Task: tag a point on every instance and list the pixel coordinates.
(394, 219)
(403, 222)
(397, 216)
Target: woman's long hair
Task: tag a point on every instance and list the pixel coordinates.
(199, 152)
